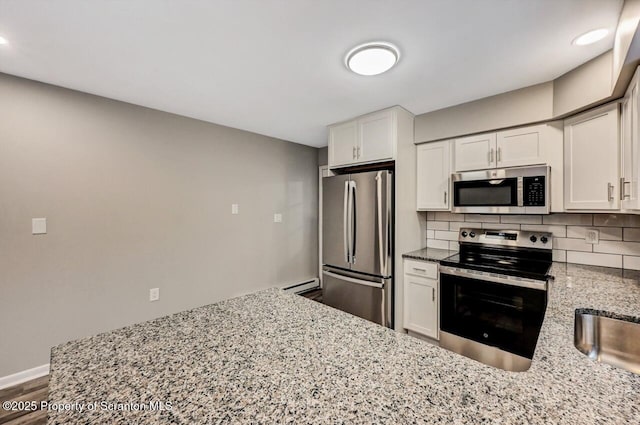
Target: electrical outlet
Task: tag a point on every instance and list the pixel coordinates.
(235, 209)
(277, 218)
(38, 226)
(154, 294)
(592, 236)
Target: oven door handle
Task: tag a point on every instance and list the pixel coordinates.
(496, 278)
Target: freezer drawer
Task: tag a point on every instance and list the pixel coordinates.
(368, 299)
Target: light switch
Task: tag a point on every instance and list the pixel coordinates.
(38, 226)
(234, 209)
(277, 218)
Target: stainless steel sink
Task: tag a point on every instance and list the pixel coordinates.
(608, 338)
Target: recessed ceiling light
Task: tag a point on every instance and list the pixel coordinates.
(372, 58)
(3, 40)
(591, 37)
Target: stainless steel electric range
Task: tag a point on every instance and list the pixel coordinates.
(493, 296)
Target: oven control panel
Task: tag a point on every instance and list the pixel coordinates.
(512, 238)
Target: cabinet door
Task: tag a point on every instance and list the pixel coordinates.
(375, 139)
(591, 155)
(475, 152)
(343, 139)
(433, 170)
(630, 160)
(421, 305)
(521, 146)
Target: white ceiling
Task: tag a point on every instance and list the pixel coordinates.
(275, 67)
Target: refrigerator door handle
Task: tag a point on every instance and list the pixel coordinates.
(381, 257)
(353, 280)
(345, 231)
(353, 221)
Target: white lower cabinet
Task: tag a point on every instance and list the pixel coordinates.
(421, 297)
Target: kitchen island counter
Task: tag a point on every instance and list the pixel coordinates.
(272, 357)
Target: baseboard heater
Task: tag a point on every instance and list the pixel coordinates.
(304, 286)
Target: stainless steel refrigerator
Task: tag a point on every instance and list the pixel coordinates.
(357, 244)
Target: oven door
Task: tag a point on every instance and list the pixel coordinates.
(501, 315)
(487, 196)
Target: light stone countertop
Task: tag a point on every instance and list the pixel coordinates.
(429, 254)
(272, 357)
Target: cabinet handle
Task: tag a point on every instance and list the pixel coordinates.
(499, 154)
(433, 294)
(491, 156)
(354, 152)
(623, 195)
(358, 152)
(420, 270)
(445, 197)
(610, 192)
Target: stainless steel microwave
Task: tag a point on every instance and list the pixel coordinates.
(518, 190)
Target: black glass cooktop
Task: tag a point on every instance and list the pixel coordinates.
(521, 266)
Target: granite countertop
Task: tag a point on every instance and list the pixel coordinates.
(273, 357)
(429, 254)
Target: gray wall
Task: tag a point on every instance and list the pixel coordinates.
(584, 86)
(136, 198)
(517, 107)
(323, 156)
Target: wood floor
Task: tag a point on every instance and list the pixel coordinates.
(36, 391)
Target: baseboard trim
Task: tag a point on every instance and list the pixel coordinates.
(24, 376)
(303, 286)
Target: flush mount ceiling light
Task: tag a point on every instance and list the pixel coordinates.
(3, 40)
(372, 58)
(591, 37)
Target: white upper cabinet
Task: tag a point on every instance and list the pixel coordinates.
(343, 141)
(591, 159)
(376, 137)
(370, 138)
(521, 146)
(630, 160)
(433, 170)
(475, 152)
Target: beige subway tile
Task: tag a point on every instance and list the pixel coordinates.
(559, 255)
(456, 225)
(630, 262)
(431, 234)
(521, 219)
(500, 226)
(437, 225)
(454, 246)
(593, 259)
(431, 215)
(446, 235)
(615, 247)
(482, 218)
(631, 234)
(606, 233)
(568, 219)
(557, 231)
(447, 216)
(616, 220)
(572, 244)
(436, 243)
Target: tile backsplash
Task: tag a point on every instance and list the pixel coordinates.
(619, 244)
